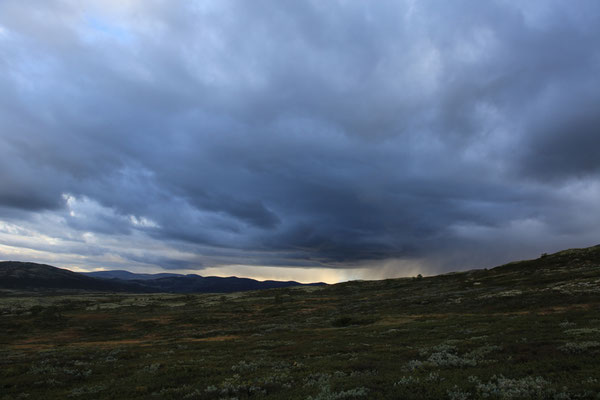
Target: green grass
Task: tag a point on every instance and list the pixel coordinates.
(525, 330)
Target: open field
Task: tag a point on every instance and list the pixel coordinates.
(524, 330)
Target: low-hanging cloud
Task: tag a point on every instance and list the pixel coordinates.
(302, 135)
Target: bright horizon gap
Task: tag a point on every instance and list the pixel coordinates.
(264, 273)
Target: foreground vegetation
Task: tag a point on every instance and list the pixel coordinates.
(524, 330)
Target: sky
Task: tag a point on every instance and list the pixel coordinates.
(307, 140)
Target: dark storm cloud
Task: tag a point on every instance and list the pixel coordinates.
(563, 143)
(302, 134)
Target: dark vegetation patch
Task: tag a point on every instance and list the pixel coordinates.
(351, 321)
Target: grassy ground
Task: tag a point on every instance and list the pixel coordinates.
(525, 330)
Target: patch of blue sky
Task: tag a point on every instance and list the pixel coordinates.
(97, 28)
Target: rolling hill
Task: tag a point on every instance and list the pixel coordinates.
(17, 275)
(127, 276)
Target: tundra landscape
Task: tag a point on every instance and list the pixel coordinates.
(307, 199)
(525, 330)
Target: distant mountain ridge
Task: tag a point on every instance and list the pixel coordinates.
(17, 275)
(128, 276)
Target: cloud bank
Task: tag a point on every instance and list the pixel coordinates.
(364, 139)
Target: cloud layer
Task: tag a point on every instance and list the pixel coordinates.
(381, 136)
